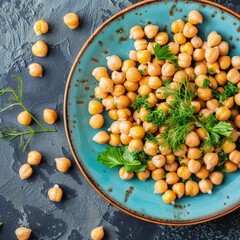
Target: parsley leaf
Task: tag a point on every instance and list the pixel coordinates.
(142, 70)
(206, 83)
(113, 157)
(223, 157)
(141, 101)
(230, 90)
(163, 53)
(157, 117)
(211, 71)
(151, 138)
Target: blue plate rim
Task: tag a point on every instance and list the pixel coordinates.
(87, 176)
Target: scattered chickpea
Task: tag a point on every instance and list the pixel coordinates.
(35, 70)
(213, 39)
(50, 116)
(137, 32)
(205, 186)
(114, 63)
(40, 49)
(211, 160)
(191, 188)
(169, 197)
(55, 193)
(100, 72)
(95, 107)
(97, 233)
(189, 30)
(71, 20)
(34, 158)
(195, 17)
(151, 31)
(216, 177)
(25, 171)
(24, 118)
(177, 26)
(124, 175)
(194, 166)
(230, 166)
(101, 137)
(235, 61)
(40, 27)
(157, 174)
(96, 121)
(179, 189)
(143, 176)
(23, 233)
(63, 164)
(223, 48)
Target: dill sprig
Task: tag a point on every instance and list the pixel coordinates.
(141, 101)
(163, 53)
(151, 138)
(157, 117)
(230, 90)
(26, 134)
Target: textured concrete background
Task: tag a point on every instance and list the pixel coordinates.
(26, 202)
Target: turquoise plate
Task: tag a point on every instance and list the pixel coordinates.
(135, 197)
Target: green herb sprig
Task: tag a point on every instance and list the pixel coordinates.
(141, 101)
(132, 161)
(163, 53)
(230, 90)
(27, 133)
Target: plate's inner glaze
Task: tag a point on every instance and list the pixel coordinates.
(134, 195)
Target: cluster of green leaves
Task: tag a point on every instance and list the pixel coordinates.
(141, 101)
(230, 90)
(223, 157)
(9, 132)
(163, 53)
(150, 138)
(157, 117)
(206, 83)
(132, 161)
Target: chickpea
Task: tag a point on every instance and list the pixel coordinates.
(106, 84)
(195, 17)
(136, 32)
(23, 233)
(234, 156)
(224, 62)
(200, 69)
(180, 76)
(174, 47)
(184, 60)
(63, 164)
(125, 139)
(194, 153)
(25, 171)
(205, 94)
(121, 102)
(159, 160)
(101, 137)
(108, 103)
(141, 44)
(71, 20)
(189, 30)
(160, 186)
(213, 82)
(50, 116)
(143, 68)
(177, 26)
(191, 188)
(95, 107)
(135, 144)
(228, 146)
(55, 193)
(204, 45)
(229, 166)
(24, 118)
(199, 54)
(190, 73)
(143, 176)
(163, 106)
(221, 78)
(100, 72)
(196, 42)
(223, 113)
(211, 160)
(179, 38)
(99, 93)
(150, 47)
(205, 186)
(154, 69)
(171, 167)
(223, 48)
(169, 197)
(150, 148)
(179, 189)
(133, 55)
(97, 233)
(40, 49)
(196, 105)
(172, 177)
(235, 61)
(192, 140)
(229, 102)
(118, 90)
(233, 75)
(212, 54)
(144, 90)
(168, 69)
(194, 166)
(117, 77)
(165, 150)
(131, 96)
(181, 152)
(157, 174)
(212, 104)
(186, 48)
(133, 75)
(127, 64)
(234, 135)
(216, 177)
(202, 173)
(35, 70)
(34, 158)
(40, 27)
(150, 165)
(184, 161)
(237, 121)
(183, 172)
(162, 38)
(114, 140)
(151, 31)
(124, 175)
(144, 80)
(131, 86)
(143, 114)
(237, 99)
(213, 39)
(125, 126)
(154, 82)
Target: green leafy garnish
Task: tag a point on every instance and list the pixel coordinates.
(9, 132)
(157, 117)
(206, 83)
(113, 157)
(142, 70)
(230, 90)
(151, 138)
(223, 157)
(163, 53)
(141, 101)
(211, 71)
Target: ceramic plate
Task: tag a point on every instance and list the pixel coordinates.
(135, 197)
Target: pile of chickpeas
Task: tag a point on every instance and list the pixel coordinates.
(190, 170)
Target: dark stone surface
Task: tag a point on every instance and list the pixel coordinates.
(26, 202)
